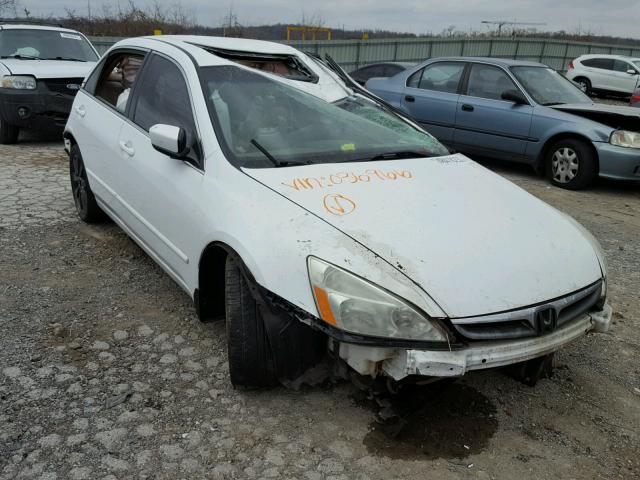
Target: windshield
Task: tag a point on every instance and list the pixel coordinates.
(45, 45)
(636, 63)
(548, 87)
(264, 123)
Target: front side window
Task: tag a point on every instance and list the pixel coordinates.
(486, 81)
(163, 97)
(37, 44)
(548, 87)
(621, 66)
(117, 78)
(264, 123)
(442, 77)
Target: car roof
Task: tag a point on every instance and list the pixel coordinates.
(26, 26)
(503, 62)
(229, 43)
(603, 55)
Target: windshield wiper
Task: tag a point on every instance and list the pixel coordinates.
(390, 156)
(272, 159)
(21, 57)
(67, 59)
(551, 104)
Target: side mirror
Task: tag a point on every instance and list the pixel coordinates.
(514, 96)
(631, 71)
(169, 140)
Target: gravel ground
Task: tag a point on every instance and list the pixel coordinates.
(105, 372)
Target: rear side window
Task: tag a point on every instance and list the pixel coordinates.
(602, 63)
(486, 81)
(442, 77)
(163, 97)
(117, 78)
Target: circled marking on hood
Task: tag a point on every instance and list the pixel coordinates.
(337, 204)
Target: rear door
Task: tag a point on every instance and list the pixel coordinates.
(162, 192)
(98, 124)
(599, 69)
(431, 96)
(486, 124)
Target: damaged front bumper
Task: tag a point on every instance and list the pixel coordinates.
(401, 363)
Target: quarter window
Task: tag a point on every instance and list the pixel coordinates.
(486, 81)
(163, 97)
(442, 77)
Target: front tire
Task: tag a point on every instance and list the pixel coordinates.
(249, 353)
(571, 164)
(8, 133)
(83, 198)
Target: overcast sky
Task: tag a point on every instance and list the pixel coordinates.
(601, 17)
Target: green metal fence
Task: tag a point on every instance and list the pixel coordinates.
(352, 54)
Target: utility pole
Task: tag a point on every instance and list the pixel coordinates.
(89, 9)
(502, 23)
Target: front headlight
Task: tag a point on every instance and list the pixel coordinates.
(625, 138)
(19, 82)
(354, 305)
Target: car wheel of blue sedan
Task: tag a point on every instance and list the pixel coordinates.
(571, 164)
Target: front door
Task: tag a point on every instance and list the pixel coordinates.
(161, 191)
(485, 123)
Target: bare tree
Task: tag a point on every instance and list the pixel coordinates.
(7, 5)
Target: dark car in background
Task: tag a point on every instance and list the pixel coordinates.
(379, 70)
(518, 111)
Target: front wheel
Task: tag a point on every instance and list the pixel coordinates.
(571, 164)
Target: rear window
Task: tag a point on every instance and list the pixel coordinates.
(287, 66)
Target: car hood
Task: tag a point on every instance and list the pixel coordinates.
(48, 68)
(613, 116)
(476, 243)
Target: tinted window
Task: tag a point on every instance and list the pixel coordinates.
(116, 78)
(622, 66)
(442, 77)
(486, 81)
(45, 44)
(163, 97)
(391, 70)
(603, 63)
(414, 80)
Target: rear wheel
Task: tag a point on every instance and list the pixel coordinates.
(249, 352)
(83, 198)
(571, 164)
(8, 133)
(584, 84)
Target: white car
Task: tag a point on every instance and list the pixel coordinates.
(316, 220)
(605, 73)
(41, 70)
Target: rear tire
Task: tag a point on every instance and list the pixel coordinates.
(249, 352)
(571, 164)
(8, 133)
(85, 202)
(585, 85)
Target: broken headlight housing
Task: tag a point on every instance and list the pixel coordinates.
(18, 82)
(354, 305)
(625, 138)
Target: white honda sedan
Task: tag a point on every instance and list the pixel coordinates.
(318, 222)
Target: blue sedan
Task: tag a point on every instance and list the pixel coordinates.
(520, 111)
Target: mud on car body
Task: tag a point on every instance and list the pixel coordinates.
(313, 218)
(41, 70)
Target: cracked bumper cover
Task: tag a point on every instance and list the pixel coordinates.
(400, 363)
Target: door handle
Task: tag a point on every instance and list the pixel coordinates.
(467, 108)
(127, 148)
(81, 110)
(410, 98)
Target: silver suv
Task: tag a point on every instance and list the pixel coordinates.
(606, 73)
